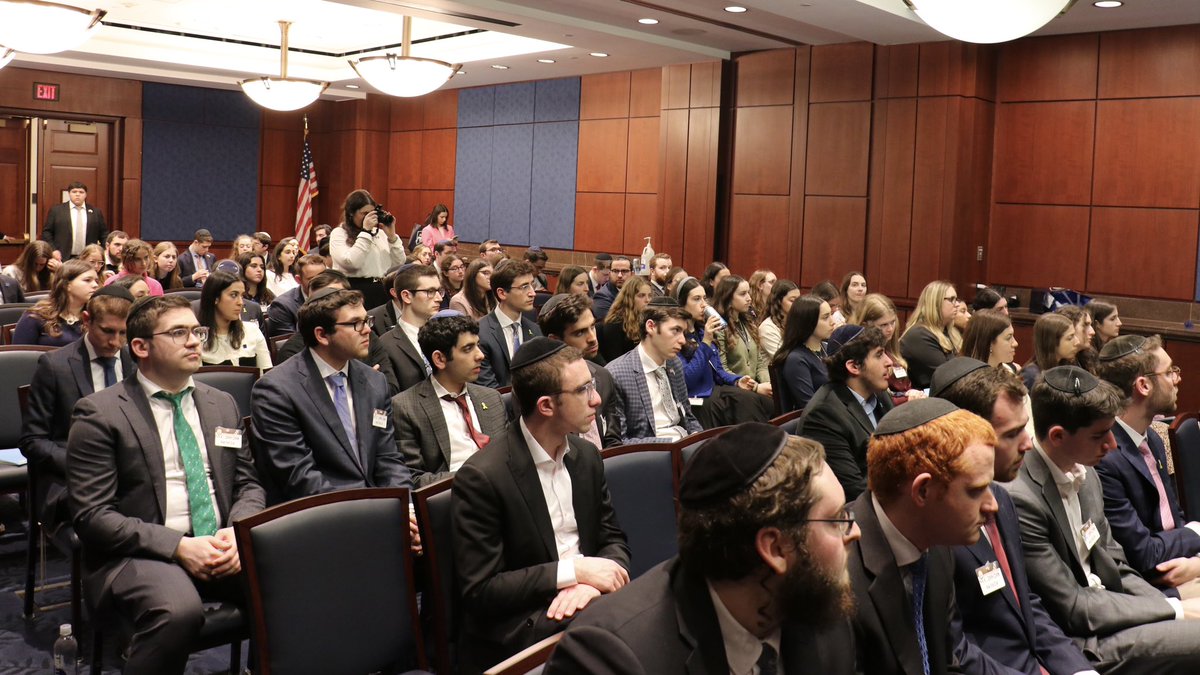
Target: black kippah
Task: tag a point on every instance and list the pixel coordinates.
(115, 291)
(952, 371)
(663, 301)
(728, 464)
(913, 414)
(535, 350)
(328, 290)
(1071, 380)
(1121, 346)
(551, 304)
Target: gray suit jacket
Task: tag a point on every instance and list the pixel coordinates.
(1055, 570)
(421, 433)
(492, 340)
(633, 411)
(118, 483)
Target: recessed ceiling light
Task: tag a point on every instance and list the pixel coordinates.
(461, 72)
(497, 66)
(648, 22)
(352, 86)
(735, 9)
(545, 60)
(1108, 4)
(599, 55)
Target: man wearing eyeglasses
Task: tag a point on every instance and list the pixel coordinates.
(618, 273)
(417, 293)
(503, 331)
(759, 585)
(535, 535)
(1139, 495)
(158, 470)
(491, 251)
(322, 419)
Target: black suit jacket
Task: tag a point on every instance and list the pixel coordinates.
(187, 266)
(664, 622)
(835, 419)
(1010, 626)
(403, 362)
(10, 290)
(505, 556)
(385, 318)
(285, 311)
(421, 432)
(57, 228)
(883, 626)
(494, 343)
(118, 483)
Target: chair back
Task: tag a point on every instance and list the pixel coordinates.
(510, 404)
(432, 503)
(237, 381)
(11, 312)
(330, 584)
(6, 333)
(528, 661)
(18, 363)
(1184, 434)
(790, 421)
(776, 389)
(643, 483)
(274, 343)
(36, 295)
(189, 293)
(690, 444)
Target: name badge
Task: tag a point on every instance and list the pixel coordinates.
(1090, 533)
(991, 578)
(696, 402)
(228, 438)
(899, 373)
(379, 419)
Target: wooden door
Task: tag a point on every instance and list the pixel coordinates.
(14, 176)
(75, 151)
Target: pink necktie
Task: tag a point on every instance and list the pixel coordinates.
(1002, 558)
(1164, 505)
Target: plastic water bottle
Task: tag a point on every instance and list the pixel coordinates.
(66, 652)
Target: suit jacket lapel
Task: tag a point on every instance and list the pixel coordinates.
(364, 420)
(583, 498)
(698, 627)
(218, 458)
(1040, 473)
(520, 463)
(318, 393)
(141, 419)
(437, 419)
(1133, 455)
(887, 587)
(502, 340)
(81, 368)
(855, 408)
(409, 349)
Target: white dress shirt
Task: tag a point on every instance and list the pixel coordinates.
(325, 370)
(97, 370)
(178, 515)
(556, 488)
(510, 328)
(666, 416)
(254, 346)
(742, 648)
(462, 446)
(78, 228)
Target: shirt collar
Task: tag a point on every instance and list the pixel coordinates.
(648, 364)
(541, 458)
(742, 648)
(1071, 481)
(505, 322)
(151, 388)
(325, 369)
(1137, 438)
(440, 391)
(868, 404)
(905, 552)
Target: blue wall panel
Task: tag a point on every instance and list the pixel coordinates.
(475, 107)
(200, 156)
(512, 165)
(514, 104)
(473, 183)
(557, 100)
(552, 206)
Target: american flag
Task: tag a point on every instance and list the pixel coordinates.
(304, 197)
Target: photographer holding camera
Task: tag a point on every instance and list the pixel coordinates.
(365, 246)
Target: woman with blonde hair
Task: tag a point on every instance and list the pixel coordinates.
(1054, 344)
(622, 328)
(930, 339)
(989, 337)
(877, 311)
(761, 283)
(164, 266)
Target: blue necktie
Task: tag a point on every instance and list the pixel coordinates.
(516, 329)
(109, 364)
(919, 576)
(342, 404)
(768, 660)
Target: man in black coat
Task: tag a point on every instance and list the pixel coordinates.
(74, 224)
(569, 318)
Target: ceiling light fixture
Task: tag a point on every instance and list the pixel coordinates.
(545, 60)
(735, 9)
(6, 56)
(599, 55)
(1108, 4)
(38, 27)
(282, 93)
(648, 22)
(497, 66)
(987, 21)
(405, 75)
(352, 86)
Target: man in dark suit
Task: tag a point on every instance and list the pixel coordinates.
(930, 465)
(1074, 564)
(446, 418)
(1007, 623)
(1139, 495)
(536, 538)
(843, 413)
(419, 294)
(620, 271)
(74, 224)
(569, 318)
(386, 314)
(598, 275)
(322, 420)
(286, 308)
(504, 330)
(158, 471)
(651, 396)
(760, 578)
(195, 263)
(94, 362)
(10, 290)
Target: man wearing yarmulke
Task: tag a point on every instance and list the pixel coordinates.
(1124, 624)
(535, 535)
(759, 585)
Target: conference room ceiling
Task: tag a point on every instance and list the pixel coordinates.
(218, 42)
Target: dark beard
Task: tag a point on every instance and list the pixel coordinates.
(811, 596)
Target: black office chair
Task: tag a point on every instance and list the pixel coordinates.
(776, 389)
(643, 483)
(432, 503)
(18, 363)
(330, 584)
(237, 381)
(189, 293)
(11, 312)
(1185, 455)
(690, 444)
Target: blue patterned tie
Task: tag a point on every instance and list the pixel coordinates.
(516, 329)
(342, 404)
(919, 576)
(204, 518)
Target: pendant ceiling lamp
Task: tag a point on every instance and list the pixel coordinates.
(404, 75)
(282, 93)
(987, 21)
(37, 27)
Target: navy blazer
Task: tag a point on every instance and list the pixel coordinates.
(284, 313)
(632, 414)
(1131, 506)
(187, 266)
(303, 449)
(1014, 636)
(494, 343)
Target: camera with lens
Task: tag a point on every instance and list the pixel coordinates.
(383, 216)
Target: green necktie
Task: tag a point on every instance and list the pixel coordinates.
(204, 519)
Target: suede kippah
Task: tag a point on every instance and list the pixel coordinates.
(952, 371)
(535, 350)
(115, 291)
(328, 290)
(663, 301)
(551, 303)
(842, 335)
(728, 464)
(1071, 380)
(913, 414)
(1122, 346)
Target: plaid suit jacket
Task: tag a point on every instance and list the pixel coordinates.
(632, 415)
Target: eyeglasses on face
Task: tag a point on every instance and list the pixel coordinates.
(846, 520)
(357, 326)
(1174, 372)
(587, 388)
(455, 268)
(431, 291)
(180, 335)
(952, 299)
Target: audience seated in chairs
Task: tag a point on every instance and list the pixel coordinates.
(569, 318)
(231, 341)
(136, 259)
(284, 310)
(54, 321)
(445, 418)
(196, 262)
(156, 429)
(418, 295)
(931, 338)
(778, 302)
(878, 311)
(620, 271)
(505, 329)
(799, 362)
(536, 539)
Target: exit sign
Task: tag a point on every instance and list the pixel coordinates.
(43, 91)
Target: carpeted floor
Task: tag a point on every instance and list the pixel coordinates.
(26, 644)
